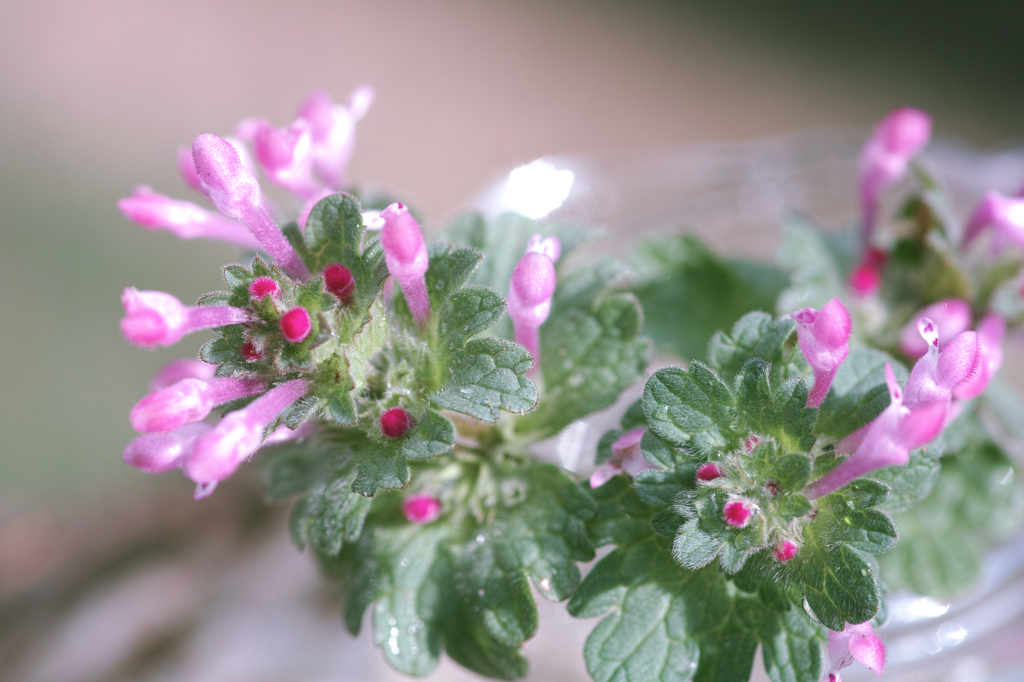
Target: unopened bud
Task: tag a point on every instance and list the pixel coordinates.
(708, 471)
(395, 422)
(738, 512)
(421, 509)
(296, 325)
(264, 286)
(338, 280)
(785, 550)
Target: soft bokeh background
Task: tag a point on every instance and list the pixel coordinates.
(96, 96)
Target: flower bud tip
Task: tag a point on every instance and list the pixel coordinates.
(421, 509)
(395, 422)
(338, 280)
(738, 512)
(708, 471)
(296, 325)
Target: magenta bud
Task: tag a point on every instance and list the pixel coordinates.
(824, 338)
(395, 422)
(738, 512)
(264, 286)
(251, 352)
(951, 316)
(176, 370)
(785, 550)
(708, 471)
(296, 325)
(187, 401)
(855, 643)
(156, 453)
(338, 280)
(751, 442)
(406, 256)
(421, 509)
(530, 293)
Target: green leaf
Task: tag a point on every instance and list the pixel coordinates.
(913, 481)
(864, 529)
(449, 269)
(660, 488)
(755, 335)
(858, 393)
(688, 293)
(487, 377)
(777, 412)
(434, 435)
(621, 515)
(691, 408)
(469, 311)
(588, 357)
(380, 466)
(791, 645)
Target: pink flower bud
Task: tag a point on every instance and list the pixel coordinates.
(185, 220)
(855, 643)
(251, 352)
(286, 155)
(750, 442)
(785, 550)
(156, 453)
(236, 194)
(153, 318)
(406, 256)
(897, 139)
(825, 341)
(626, 456)
(738, 512)
(421, 509)
(708, 471)
(176, 370)
(395, 422)
(866, 278)
(338, 280)
(187, 401)
(991, 331)
(888, 440)
(952, 316)
(187, 168)
(1004, 214)
(217, 454)
(530, 293)
(296, 325)
(264, 286)
(333, 130)
(550, 247)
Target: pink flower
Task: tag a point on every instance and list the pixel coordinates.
(990, 357)
(406, 256)
(626, 456)
(825, 341)
(236, 194)
(952, 316)
(183, 368)
(855, 643)
(738, 512)
(887, 441)
(184, 219)
(156, 453)
(333, 130)
(937, 374)
(395, 422)
(530, 292)
(1004, 214)
(187, 401)
(866, 278)
(897, 139)
(217, 454)
(421, 509)
(286, 155)
(153, 318)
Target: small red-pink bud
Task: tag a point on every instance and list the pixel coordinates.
(264, 286)
(738, 512)
(395, 422)
(251, 352)
(421, 509)
(785, 550)
(339, 281)
(296, 325)
(750, 442)
(708, 471)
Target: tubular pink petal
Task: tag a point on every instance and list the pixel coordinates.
(550, 246)
(406, 256)
(949, 317)
(217, 454)
(421, 509)
(958, 361)
(152, 318)
(603, 474)
(333, 129)
(991, 331)
(921, 426)
(187, 168)
(186, 220)
(1004, 214)
(176, 370)
(855, 642)
(156, 453)
(824, 340)
(187, 401)
(236, 194)
(529, 298)
(286, 156)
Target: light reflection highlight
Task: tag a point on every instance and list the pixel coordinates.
(537, 189)
(912, 609)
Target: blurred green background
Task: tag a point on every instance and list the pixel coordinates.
(95, 97)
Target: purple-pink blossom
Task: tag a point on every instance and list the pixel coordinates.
(991, 331)
(938, 373)
(157, 453)
(897, 139)
(187, 401)
(824, 338)
(626, 456)
(1004, 214)
(182, 368)
(332, 127)
(406, 254)
(154, 318)
(286, 156)
(184, 219)
(421, 509)
(530, 292)
(952, 316)
(855, 643)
